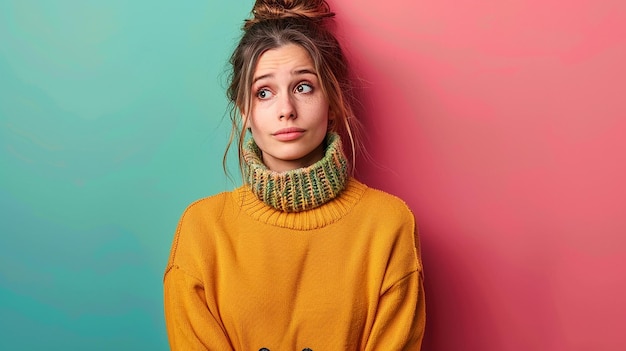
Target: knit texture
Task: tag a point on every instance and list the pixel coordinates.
(242, 276)
(300, 189)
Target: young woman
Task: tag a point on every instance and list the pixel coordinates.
(302, 256)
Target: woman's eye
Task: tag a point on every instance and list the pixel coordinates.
(304, 88)
(264, 94)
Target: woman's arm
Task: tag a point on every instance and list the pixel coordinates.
(190, 324)
(400, 317)
(401, 312)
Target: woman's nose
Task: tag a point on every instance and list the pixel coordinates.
(287, 107)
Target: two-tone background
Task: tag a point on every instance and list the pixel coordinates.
(502, 124)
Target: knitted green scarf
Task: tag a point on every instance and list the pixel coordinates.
(300, 189)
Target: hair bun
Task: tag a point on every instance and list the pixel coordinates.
(315, 10)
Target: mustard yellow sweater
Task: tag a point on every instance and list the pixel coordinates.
(344, 276)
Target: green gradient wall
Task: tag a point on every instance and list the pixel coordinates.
(112, 119)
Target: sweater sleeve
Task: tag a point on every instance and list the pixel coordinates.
(190, 324)
(400, 317)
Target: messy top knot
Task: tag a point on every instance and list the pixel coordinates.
(315, 10)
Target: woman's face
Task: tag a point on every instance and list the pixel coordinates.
(289, 113)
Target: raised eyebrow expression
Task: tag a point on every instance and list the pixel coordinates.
(300, 72)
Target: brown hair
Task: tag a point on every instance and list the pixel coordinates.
(276, 23)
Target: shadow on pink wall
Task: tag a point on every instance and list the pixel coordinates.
(503, 127)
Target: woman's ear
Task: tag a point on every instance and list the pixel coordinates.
(331, 119)
(244, 119)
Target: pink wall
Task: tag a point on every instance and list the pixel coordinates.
(503, 125)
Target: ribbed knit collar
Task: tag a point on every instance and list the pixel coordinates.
(319, 217)
(300, 189)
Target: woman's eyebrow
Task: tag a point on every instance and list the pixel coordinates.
(305, 71)
(269, 75)
(298, 72)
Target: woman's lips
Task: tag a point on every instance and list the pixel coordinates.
(288, 134)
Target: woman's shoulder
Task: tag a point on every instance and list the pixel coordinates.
(196, 224)
(208, 207)
(382, 200)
